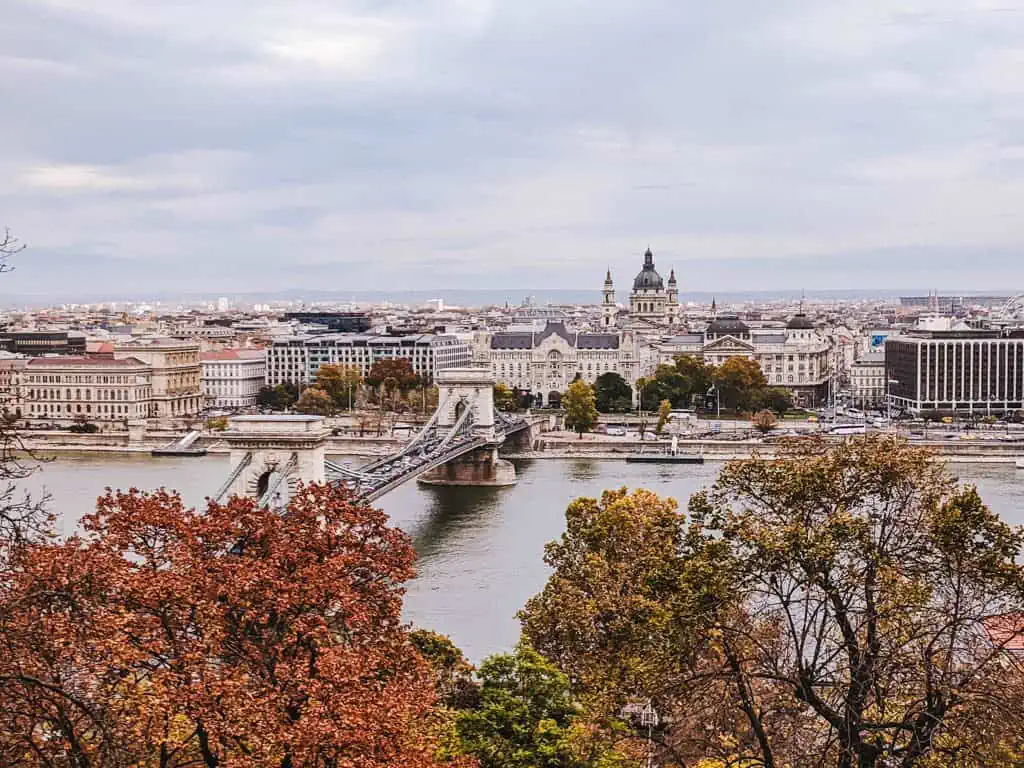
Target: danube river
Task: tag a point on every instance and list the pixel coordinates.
(480, 549)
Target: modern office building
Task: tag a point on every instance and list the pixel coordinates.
(335, 322)
(35, 343)
(297, 359)
(956, 370)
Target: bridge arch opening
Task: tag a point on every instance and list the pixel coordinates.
(554, 399)
(263, 483)
(460, 408)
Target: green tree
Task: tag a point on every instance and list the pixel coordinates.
(580, 407)
(340, 382)
(279, 397)
(777, 399)
(504, 398)
(831, 607)
(699, 373)
(524, 717)
(613, 393)
(740, 383)
(664, 414)
(315, 401)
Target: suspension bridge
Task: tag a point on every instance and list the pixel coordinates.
(458, 445)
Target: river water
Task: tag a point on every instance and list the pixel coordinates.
(480, 549)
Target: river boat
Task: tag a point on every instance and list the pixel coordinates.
(178, 452)
(1020, 462)
(663, 458)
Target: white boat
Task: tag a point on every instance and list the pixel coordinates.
(1020, 462)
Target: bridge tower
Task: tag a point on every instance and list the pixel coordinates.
(271, 455)
(458, 389)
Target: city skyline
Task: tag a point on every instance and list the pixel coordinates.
(239, 148)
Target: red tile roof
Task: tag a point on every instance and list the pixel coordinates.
(1007, 631)
(232, 354)
(64, 361)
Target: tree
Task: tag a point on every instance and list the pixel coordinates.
(580, 407)
(393, 372)
(315, 401)
(613, 394)
(235, 637)
(524, 716)
(777, 399)
(279, 397)
(340, 382)
(831, 607)
(504, 398)
(699, 374)
(664, 414)
(739, 381)
(764, 421)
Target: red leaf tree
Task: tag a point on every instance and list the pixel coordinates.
(235, 637)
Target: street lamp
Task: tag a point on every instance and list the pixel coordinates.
(889, 381)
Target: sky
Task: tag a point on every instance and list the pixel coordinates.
(245, 145)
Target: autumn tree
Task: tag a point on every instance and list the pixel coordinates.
(340, 383)
(580, 407)
(740, 383)
(504, 398)
(764, 421)
(831, 607)
(664, 414)
(612, 393)
(279, 397)
(235, 637)
(315, 401)
(393, 373)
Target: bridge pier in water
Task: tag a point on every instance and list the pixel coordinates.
(482, 466)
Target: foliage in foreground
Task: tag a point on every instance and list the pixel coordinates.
(829, 608)
(235, 637)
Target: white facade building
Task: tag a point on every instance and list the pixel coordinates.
(867, 381)
(232, 378)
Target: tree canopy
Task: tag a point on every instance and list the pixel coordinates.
(393, 372)
(315, 401)
(833, 607)
(340, 382)
(234, 637)
(740, 383)
(580, 407)
(613, 394)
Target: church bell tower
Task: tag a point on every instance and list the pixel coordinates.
(608, 308)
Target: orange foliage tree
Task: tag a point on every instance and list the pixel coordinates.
(165, 637)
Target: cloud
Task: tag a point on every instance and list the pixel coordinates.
(246, 145)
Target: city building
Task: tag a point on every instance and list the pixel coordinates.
(64, 390)
(12, 369)
(232, 378)
(651, 302)
(867, 382)
(34, 343)
(546, 362)
(952, 368)
(335, 322)
(297, 359)
(176, 374)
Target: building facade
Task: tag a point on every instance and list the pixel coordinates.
(232, 378)
(796, 357)
(545, 362)
(34, 343)
(65, 390)
(176, 374)
(964, 371)
(298, 359)
(12, 370)
(867, 382)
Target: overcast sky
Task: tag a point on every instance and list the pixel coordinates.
(242, 145)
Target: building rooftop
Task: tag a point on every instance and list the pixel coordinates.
(63, 361)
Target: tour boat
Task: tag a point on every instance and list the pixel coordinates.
(1020, 462)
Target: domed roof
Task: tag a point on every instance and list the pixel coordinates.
(799, 322)
(727, 325)
(648, 279)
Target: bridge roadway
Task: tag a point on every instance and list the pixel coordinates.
(431, 447)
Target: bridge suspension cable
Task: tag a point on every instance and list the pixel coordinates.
(239, 468)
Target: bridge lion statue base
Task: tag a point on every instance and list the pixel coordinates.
(481, 467)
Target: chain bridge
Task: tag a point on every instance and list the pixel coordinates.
(458, 445)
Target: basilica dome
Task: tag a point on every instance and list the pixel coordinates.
(648, 279)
